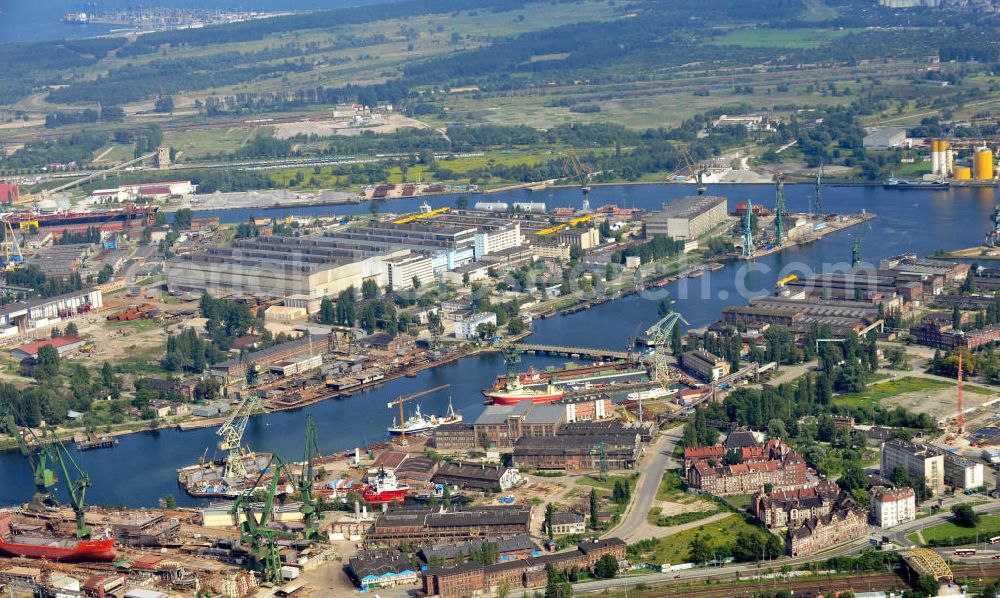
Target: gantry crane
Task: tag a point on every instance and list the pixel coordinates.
(403, 399)
(256, 534)
(231, 434)
(779, 210)
(582, 173)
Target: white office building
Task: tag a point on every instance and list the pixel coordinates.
(892, 506)
(467, 327)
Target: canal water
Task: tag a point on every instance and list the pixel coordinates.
(142, 469)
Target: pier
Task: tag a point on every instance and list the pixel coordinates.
(577, 352)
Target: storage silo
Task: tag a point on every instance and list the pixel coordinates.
(962, 173)
(982, 164)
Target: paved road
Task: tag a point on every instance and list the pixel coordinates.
(652, 470)
(749, 570)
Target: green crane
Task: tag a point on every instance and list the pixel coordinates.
(77, 488)
(255, 530)
(45, 478)
(779, 210)
(310, 513)
(748, 230)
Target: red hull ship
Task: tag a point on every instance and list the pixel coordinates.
(108, 220)
(53, 548)
(385, 489)
(514, 391)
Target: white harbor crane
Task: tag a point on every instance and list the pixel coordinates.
(231, 434)
(658, 336)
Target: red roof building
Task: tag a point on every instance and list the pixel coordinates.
(62, 344)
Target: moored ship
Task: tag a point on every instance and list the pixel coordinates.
(385, 489)
(33, 542)
(418, 423)
(514, 391)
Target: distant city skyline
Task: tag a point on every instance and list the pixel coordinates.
(42, 21)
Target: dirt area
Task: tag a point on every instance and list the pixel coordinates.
(329, 579)
(342, 126)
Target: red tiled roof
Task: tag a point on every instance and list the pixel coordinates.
(61, 341)
(704, 452)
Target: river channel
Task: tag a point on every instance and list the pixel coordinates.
(142, 468)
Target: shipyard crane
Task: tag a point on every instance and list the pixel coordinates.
(310, 513)
(779, 210)
(403, 399)
(748, 230)
(857, 236)
(255, 530)
(658, 335)
(817, 204)
(231, 434)
(77, 488)
(44, 477)
(698, 171)
(583, 173)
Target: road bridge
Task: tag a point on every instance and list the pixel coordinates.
(924, 561)
(578, 352)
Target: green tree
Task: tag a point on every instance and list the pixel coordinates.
(462, 202)
(965, 516)
(327, 313)
(550, 512)
(486, 330)
(699, 550)
(169, 501)
(105, 274)
(853, 477)
(72, 330)
(48, 363)
(369, 290)
(183, 218)
(606, 567)
(928, 585)
(416, 282)
(516, 326)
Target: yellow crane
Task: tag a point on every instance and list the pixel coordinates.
(404, 398)
(412, 217)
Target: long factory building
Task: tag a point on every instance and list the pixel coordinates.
(392, 253)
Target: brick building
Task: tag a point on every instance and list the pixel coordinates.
(472, 578)
(423, 526)
(814, 535)
(790, 508)
(578, 452)
(490, 478)
(775, 463)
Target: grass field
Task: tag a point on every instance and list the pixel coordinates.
(781, 38)
(674, 549)
(883, 390)
(988, 526)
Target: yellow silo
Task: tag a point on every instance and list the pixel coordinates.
(983, 164)
(962, 173)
